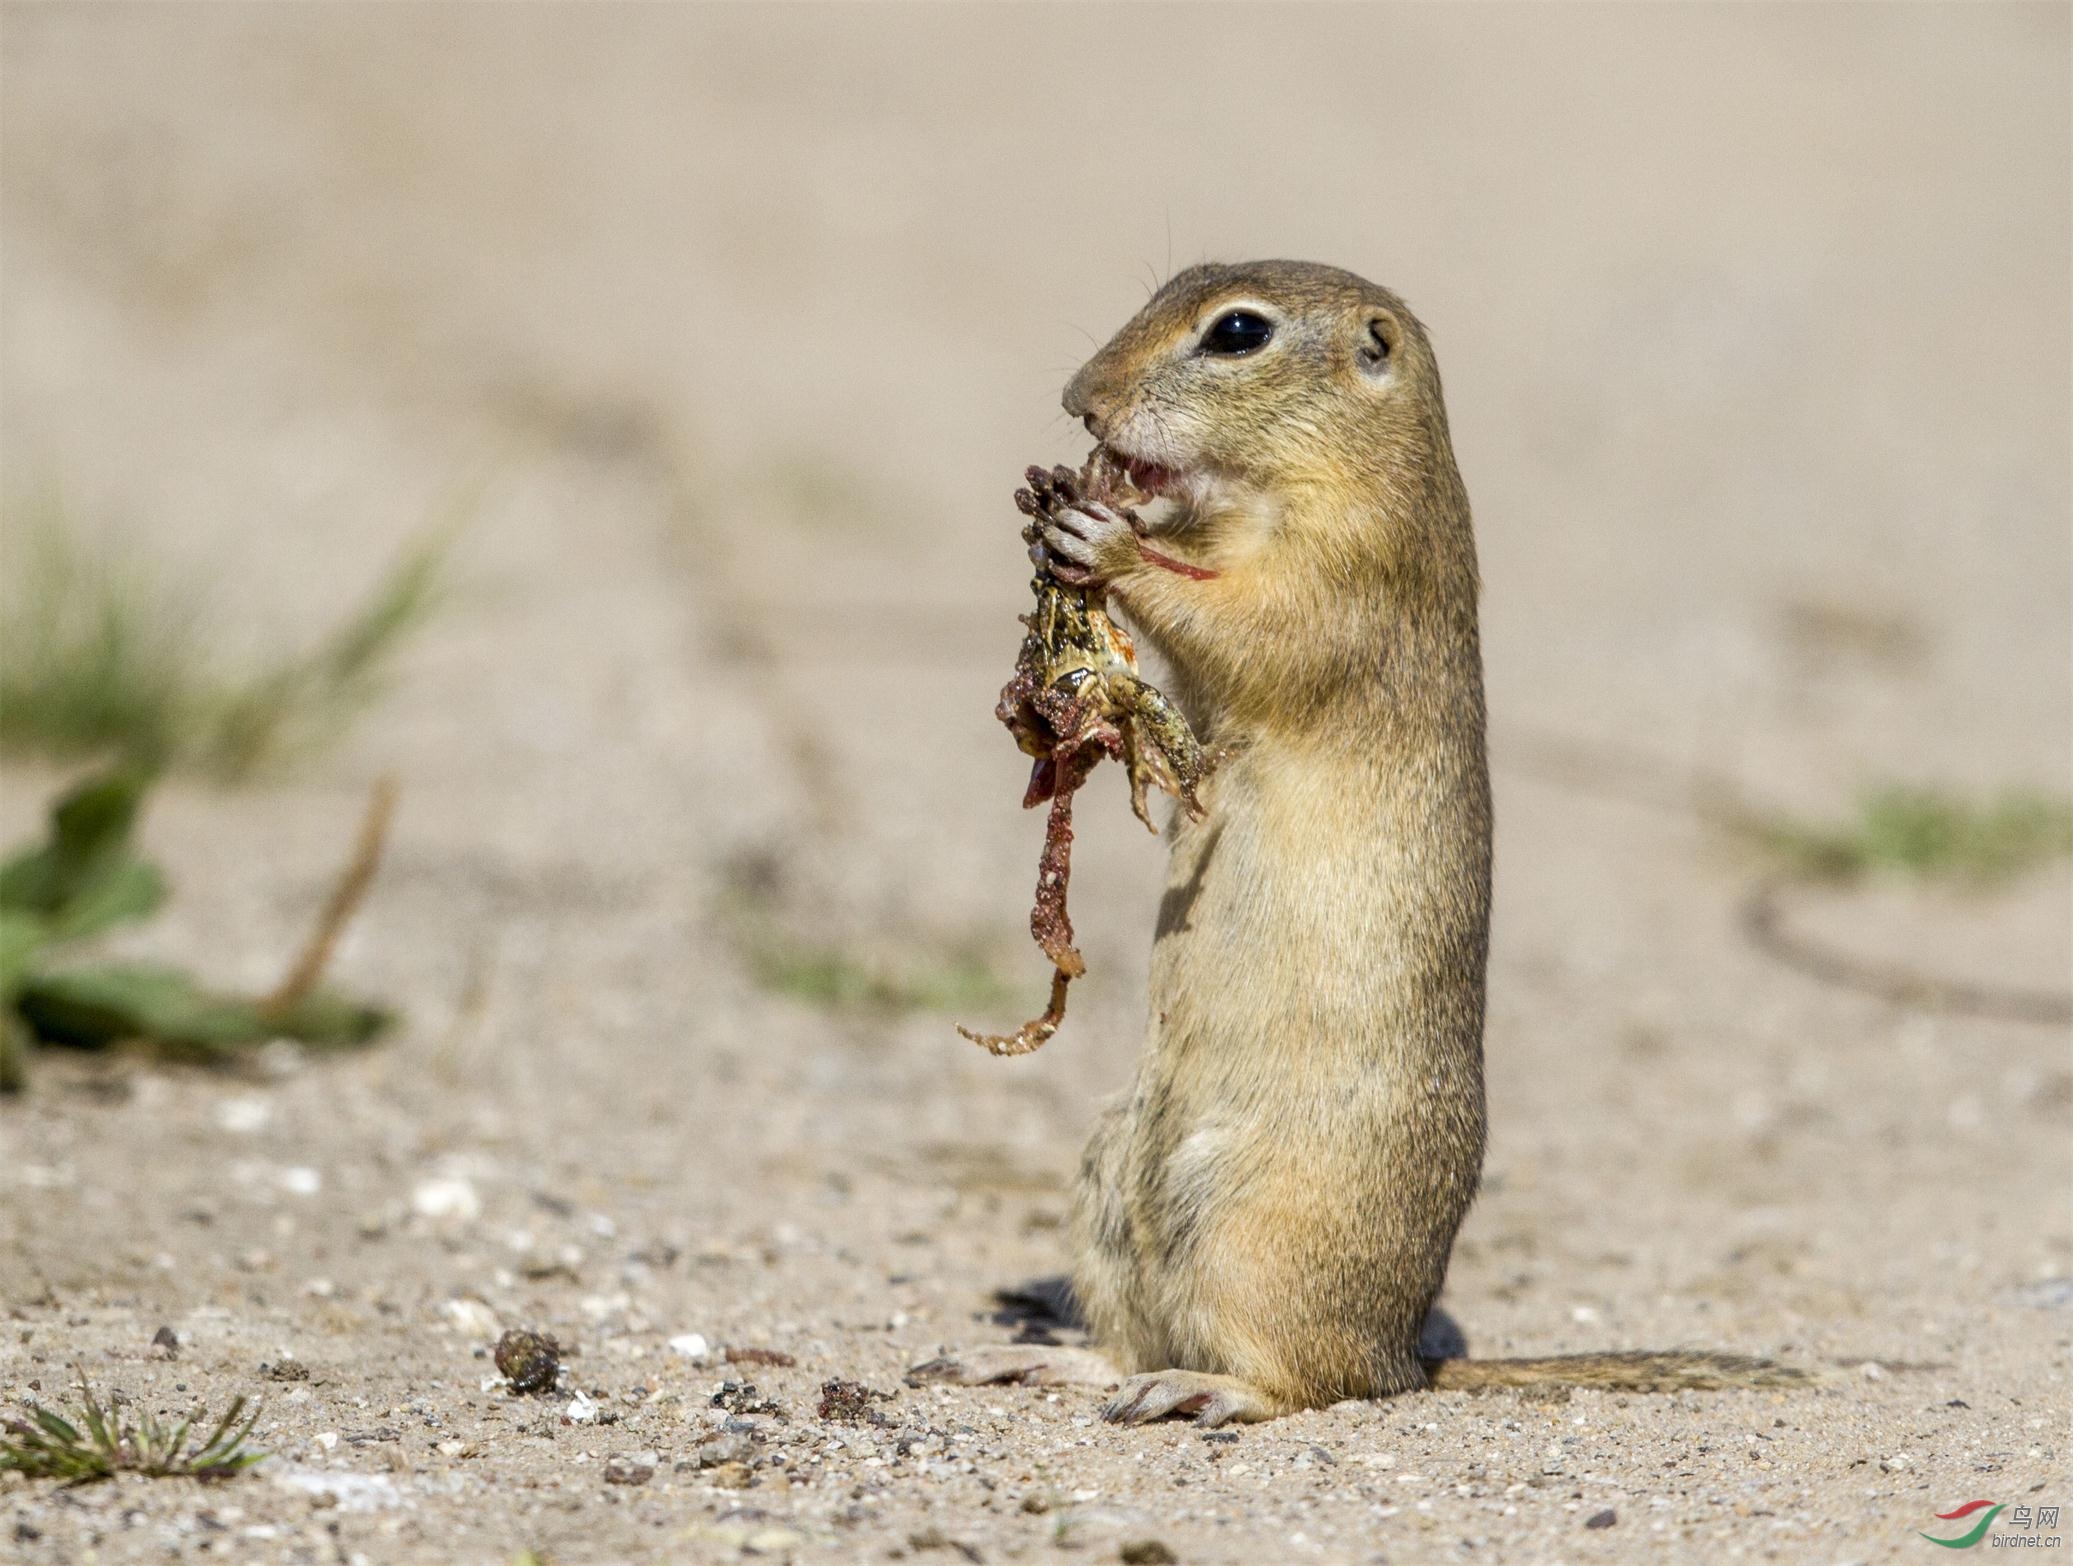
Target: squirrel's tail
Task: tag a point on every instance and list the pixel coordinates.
(1630, 1372)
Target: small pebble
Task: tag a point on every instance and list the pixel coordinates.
(1604, 1519)
(848, 1401)
(741, 1397)
(301, 1180)
(630, 1468)
(718, 1452)
(531, 1361)
(244, 1116)
(475, 1319)
(446, 1197)
(749, 1354)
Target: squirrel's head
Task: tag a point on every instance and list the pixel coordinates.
(1271, 375)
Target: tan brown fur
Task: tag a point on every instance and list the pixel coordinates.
(1264, 1221)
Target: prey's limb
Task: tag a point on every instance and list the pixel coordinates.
(1157, 727)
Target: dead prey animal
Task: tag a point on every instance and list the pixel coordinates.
(1075, 697)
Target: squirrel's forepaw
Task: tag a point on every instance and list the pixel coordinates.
(1056, 565)
(1083, 539)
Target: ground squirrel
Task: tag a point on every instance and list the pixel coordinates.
(1263, 1222)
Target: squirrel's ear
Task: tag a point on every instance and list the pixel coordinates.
(1378, 342)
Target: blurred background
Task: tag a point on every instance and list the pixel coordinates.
(603, 420)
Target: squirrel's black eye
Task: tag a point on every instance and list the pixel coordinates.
(1237, 331)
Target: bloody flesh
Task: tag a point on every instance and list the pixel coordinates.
(1075, 697)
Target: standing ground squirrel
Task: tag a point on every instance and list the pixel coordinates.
(1263, 1222)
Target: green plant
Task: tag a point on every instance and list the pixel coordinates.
(101, 655)
(1906, 833)
(304, 702)
(833, 977)
(765, 919)
(85, 879)
(47, 1445)
(1925, 833)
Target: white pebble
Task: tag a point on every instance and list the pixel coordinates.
(692, 1345)
(246, 1116)
(474, 1319)
(446, 1197)
(581, 1410)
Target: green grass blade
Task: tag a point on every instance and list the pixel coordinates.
(61, 1429)
(222, 1453)
(49, 1446)
(103, 655)
(97, 1427)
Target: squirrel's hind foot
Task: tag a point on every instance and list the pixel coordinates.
(1212, 1400)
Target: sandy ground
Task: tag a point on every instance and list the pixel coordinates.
(740, 323)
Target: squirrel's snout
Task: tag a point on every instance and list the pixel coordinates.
(1083, 400)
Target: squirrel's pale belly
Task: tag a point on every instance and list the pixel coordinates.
(1302, 924)
(1305, 1115)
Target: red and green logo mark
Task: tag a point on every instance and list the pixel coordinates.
(1979, 1531)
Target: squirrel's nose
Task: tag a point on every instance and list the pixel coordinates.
(1082, 402)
